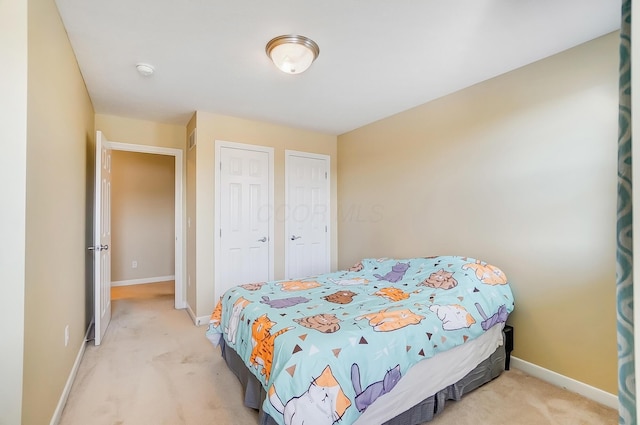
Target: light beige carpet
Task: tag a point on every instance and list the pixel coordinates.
(155, 367)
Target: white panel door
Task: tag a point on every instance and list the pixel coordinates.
(245, 217)
(102, 239)
(307, 217)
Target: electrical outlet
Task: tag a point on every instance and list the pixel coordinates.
(134, 264)
(66, 335)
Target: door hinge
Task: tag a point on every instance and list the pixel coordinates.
(325, 175)
(325, 229)
(220, 232)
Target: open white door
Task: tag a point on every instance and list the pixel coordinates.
(102, 239)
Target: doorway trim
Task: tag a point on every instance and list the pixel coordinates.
(219, 144)
(180, 289)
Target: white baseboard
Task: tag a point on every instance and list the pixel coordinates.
(57, 414)
(198, 321)
(142, 281)
(570, 384)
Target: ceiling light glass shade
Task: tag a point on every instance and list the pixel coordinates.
(292, 54)
(145, 69)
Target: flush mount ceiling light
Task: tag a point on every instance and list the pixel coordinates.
(145, 69)
(292, 54)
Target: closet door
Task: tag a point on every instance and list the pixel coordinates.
(245, 194)
(307, 214)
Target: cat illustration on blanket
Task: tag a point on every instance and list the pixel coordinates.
(499, 316)
(366, 397)
(284, 302)
(263, 344)
(232, 327)
(397, 273)
(453, 316)
(216, 316)
(440, 280)
(299, 285)
(487, 273)
(392, 294)
(388, 321)
(324, 402)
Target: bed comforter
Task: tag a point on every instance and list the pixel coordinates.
(326, 347)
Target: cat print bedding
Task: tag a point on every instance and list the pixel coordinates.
(326, 347)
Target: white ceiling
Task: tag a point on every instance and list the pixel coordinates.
(377, 57)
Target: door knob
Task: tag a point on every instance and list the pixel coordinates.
(98, 248)
(262, 239)
(294, 237)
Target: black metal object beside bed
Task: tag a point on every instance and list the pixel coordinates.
(508, 344)
(425, 411)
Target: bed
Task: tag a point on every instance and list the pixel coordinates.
(386, 341)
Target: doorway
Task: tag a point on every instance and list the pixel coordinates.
(133, 263)
(142, 217)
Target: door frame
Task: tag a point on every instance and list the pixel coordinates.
(180, 249)
(288, 153)
(219, 144)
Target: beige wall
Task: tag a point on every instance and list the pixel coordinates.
(13, 169)
(59, 134)
(141, 132)
(142, 216)
(519, 171)
(212, 127)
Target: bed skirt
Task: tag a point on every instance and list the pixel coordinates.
(426, 410)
